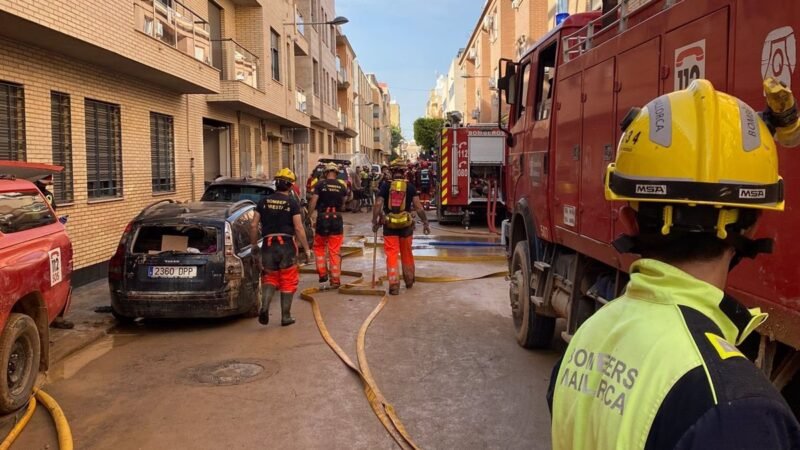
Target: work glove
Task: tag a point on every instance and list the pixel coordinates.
(426, 229)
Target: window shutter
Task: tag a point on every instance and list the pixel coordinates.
(162, 152)
(61, 127)
(103, 149)
(12, 122)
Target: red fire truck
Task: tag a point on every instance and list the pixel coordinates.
(567, 96)
(471, 173)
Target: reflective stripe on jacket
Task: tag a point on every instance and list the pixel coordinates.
(659, 368)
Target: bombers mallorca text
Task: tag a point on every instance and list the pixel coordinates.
(601, 376)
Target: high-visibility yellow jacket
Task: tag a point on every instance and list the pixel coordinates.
(658, 368)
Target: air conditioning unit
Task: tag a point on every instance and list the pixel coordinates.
(476, 113)
(493, 83)
(515, 3)
(472, 54)
(488, 23)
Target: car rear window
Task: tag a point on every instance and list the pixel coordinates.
(20, 211)
(234, 193)
(152, 239)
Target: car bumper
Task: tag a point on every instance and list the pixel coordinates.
(178, 305)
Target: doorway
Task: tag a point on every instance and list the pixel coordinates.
(216, 150)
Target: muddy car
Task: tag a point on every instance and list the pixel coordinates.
(186, 260)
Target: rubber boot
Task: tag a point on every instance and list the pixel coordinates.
(267, 292)
(394, 289)
(286, 308)
(323, 283)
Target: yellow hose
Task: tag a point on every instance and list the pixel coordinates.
(15, 432)
(62, 427)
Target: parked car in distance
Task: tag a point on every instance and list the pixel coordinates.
(186, 260)
(236, 189)
(35, 279)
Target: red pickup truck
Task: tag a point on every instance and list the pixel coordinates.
(35, 273)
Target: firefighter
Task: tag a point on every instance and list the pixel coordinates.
(658, 367)
(281, 224)
(326, 205)
(393, 208)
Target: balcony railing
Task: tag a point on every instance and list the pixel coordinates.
(300, 22)
(175, 25)
(239, 64)
(343, 78)
(300, 101)
(343, 122)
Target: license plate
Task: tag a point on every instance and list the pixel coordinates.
(172, 272)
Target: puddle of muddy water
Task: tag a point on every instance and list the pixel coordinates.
(71, 365)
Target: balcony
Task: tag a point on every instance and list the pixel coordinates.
(115, 37)
(300, 101)
(346, 126)
(343, 79)
(174, 25)
(299, 22)
(239, 64)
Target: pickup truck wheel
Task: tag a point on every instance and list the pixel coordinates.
(533, 330)
(20, 352)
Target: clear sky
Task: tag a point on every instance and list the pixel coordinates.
(407, 42)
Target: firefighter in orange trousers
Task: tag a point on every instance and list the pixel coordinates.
(393, 207)
(279, 218)
(326, 205)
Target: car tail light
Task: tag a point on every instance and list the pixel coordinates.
(233, 265)
(116, 266)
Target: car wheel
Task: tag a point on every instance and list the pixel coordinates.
(533, 330)
(20, 352)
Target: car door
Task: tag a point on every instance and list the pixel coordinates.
(241, 240)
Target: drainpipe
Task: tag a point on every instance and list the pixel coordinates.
(189, 150)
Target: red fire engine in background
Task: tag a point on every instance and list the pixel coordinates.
(569, 93)
(471, 171)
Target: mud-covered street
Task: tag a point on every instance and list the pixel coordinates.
(444, 355)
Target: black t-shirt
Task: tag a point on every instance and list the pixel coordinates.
(277, 214)
(411, 192)
(331, 194)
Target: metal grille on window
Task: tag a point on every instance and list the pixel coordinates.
(61, 127)
(103, 150)
(12, 122)
(162, 152)
(274, 156)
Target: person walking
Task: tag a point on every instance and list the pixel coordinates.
(278, 221)
(326, 205)
(658, 368)
(393, 208)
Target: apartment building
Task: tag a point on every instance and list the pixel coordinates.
(381, 128)
(146, 100)
(346, 95)
(505, 30)
(394, 114)
(363, 111)
(455, 88)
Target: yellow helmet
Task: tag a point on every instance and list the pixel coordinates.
(696, 147)
(286, 174)
(331, 167)
(398, 164)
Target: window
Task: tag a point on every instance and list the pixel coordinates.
(330, 145)
(333, 39)
(61, 127)
(162, 152)
(103, 150)
(289, 77)
(314, 15)
(275, 45)
(20, 211)
(546, 72)
(12, 122)
(316, 78)
(312, 141)
(522, 100)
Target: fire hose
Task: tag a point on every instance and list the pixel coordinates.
(380, 405)
(62, 426)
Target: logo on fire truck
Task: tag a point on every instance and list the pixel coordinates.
(690, 64)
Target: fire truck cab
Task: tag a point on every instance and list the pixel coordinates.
(568, 95)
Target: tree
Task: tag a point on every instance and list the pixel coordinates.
(427, 132)
(397, 136)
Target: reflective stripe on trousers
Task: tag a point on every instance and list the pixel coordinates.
(333, 244)
(394, 246)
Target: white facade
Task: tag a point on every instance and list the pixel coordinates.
(455, 98)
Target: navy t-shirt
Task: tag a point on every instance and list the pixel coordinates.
(277, 214)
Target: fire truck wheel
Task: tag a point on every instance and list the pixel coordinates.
(20, 352)
(533, 330)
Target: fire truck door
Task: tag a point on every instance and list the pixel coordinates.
(698, 49)
(596, 151)
(637, 82)
(567, 153)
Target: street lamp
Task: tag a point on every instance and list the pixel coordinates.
(339, 20)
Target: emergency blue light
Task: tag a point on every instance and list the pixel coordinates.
(561, 17)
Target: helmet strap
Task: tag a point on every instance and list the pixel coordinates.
(747, 248)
